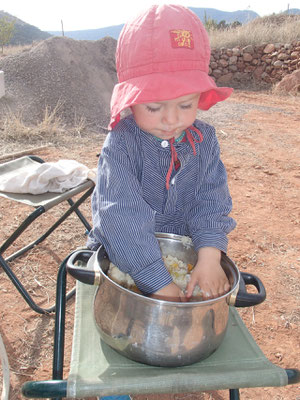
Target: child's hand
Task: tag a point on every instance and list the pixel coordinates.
(208, 275)
(170, 292)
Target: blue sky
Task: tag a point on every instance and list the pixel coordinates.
(92, 14)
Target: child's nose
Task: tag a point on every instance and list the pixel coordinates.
(170, 116)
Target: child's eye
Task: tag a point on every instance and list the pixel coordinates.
(152, 109)
(186, 106)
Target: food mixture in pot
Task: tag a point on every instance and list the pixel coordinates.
(179, 270)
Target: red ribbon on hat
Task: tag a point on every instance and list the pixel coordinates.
(174, 156)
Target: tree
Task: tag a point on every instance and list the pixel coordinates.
(235, 24)
(209, 23)
(7, 29)
(222, 25)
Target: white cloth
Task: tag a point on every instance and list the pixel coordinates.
(47, 177)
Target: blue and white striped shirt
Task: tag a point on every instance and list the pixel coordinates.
(130, 201)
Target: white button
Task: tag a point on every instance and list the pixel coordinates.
(173, 181)
(164, 143)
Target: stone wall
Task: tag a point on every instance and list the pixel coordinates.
(265, 65)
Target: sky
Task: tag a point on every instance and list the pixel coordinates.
(93, 14)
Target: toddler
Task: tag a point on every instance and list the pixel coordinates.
(160, 167)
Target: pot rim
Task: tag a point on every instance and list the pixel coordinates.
(169, 303)
(174, 303)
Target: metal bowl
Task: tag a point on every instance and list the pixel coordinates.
(158, 332)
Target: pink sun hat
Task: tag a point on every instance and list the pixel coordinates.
(163, 54)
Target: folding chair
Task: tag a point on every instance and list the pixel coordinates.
(42, 203)
(97, 370)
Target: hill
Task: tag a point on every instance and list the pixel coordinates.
(92, 34)
(24, 33)
(114, 31)
(242, 16)
(294, 11)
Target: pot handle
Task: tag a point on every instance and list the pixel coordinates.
(83, 271)
(244, 299)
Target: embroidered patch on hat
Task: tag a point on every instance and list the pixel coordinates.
(180, 38)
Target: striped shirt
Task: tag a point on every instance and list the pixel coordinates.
(130, 201)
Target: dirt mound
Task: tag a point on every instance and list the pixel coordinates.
(75, 76)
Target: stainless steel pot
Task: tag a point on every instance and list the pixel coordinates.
(158, 332)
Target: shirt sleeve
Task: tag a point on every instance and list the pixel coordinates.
(123, 221)
(208, 217)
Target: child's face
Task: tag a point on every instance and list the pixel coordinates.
(169, 118)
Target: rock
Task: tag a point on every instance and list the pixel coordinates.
(264, 75)
(257, 73)
(269, 48)
(232, 68)
(225, 79)
(295, 55)
(238, 76)
(248, 49)
(236, 51)
(232, 60)
(249, 68)
(269, 68)
(217, 73)
(278, 64)
(213, 65)
(247, 57)
(289, 84)
(240, 64)
(223, 63)
(283, 56)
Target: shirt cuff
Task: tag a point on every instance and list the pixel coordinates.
(210, 239)
(152, 278)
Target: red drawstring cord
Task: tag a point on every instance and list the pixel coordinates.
(191, 139)
(174, 156)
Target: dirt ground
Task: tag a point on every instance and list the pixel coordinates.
(259, 138)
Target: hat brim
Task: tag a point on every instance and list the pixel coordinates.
(165, 86)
